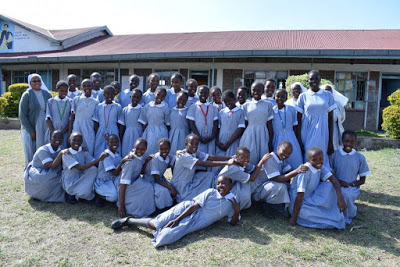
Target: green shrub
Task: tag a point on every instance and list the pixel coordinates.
(13, 97)
(394, 98)
(3, 104)
(391, 115)
(303, 79)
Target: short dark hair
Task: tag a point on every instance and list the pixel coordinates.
(242, 149)
(312, 150)
(112, 135)
(164, 140)
(285, 143)
(191, 136)
(136, 90)
(61, 84)
(177, 75)
(228, 94)
(348, 132)
(270, 80)
(109, 87)
(141, 140)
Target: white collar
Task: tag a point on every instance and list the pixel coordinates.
(57, 98)
(109, 152)
(229, 196)
(199, 103)
(90, 97)
(73, 151)
(52, 150)
(126, 91)
(74, 92)
(136, 156)
(227, 110)
(255, 101)
(271, 98)
(344, 153)
(104, 103)
(138, 106)
(320, 91)
(172, 91)
(149, 92)
(151, 104)
(192, 97)
(180, 108)
(161, 158)
(312, 169)
(276, 157)
(276, 110)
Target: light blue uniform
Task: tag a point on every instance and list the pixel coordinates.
(59, 112)
(107, 116)
(213, 207)
(269, 99)
(256, 136)
(179, 129)
(319, 207)
(204, 124)
(242, 186)
(98, 94)
(265, 188)
(148, 96)
(347, 166)
(228, 122)
(156, 117)
(139, 193)
(72, 95)
(170, 99)
(75, 182)
(124, 98)
(84, 107)
(191, 100)
(186, 181)
(283, 123)
(158, 165)
(104, 184)
(41, 182)
(133, 128)
(219, 106)
(314, 127)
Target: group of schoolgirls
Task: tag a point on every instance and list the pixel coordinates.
(224, 155)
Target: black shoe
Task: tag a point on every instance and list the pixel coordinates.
(100, 202)
(70, 199)
(267, 211)
(119, 223)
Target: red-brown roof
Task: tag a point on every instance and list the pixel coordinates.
(65, 34)
(304, 42)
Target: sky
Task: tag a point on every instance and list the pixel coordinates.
(157, 16)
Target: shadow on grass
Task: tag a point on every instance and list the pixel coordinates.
(377, 227)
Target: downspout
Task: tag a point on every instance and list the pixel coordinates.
(48, 77)
(119, 71)
(1, 82)
(212, 72)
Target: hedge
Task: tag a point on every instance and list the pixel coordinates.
(391, 115)
(303, 79)
(12, 98)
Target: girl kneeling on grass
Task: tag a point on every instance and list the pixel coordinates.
(312, 199)
(191, 215)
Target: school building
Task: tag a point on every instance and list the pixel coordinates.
(363, 64)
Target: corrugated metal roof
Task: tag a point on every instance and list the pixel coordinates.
(380, 42)
(65, 34)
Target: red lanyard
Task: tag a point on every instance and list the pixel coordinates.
(204, 114)
(108, 119)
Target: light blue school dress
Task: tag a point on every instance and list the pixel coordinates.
(104, 184)
(41, 182)
(124, 98)
(133, 128)
(265, 188)
(170, 99)
(186, 180)
(347, 166)
(147, 97)
(204, 123)
(191, 100)
(283, 122)
(72, 95)
(158, 165)
(242, 186)
(314, 127)
(291, 102)
(107, 116)
(256, 136)
(269, 99)
(75, 182)
(59, 112)
(319, 207)
(213, 207)
(139, 193)
(99, 95)
(156, 117)
(228, 122)
(179, 129)
(84, 107)
(219, 106)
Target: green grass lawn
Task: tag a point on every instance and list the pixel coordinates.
(35, 233)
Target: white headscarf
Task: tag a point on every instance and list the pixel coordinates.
(341, 99)
(43, 86)
(303, 89)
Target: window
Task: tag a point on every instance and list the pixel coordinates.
(201, 76)
(165, 77)
(107, 75)
(352, 85)
(20, 76)
(262, 76)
